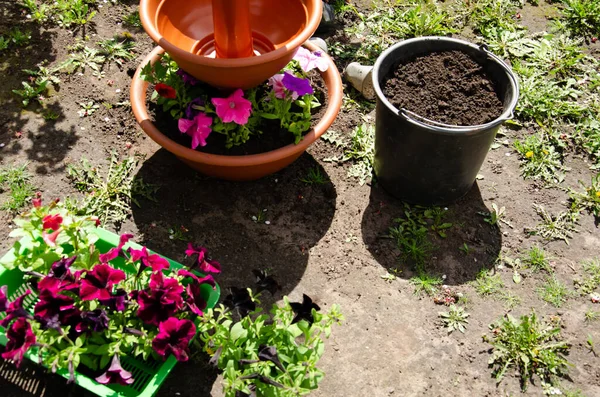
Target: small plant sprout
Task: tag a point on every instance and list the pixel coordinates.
(425, 284)
(465, 249)
(315, 177)
(178, 233)
(360, 151)
(455, 319)
(529, 346)
(590, 343)
(87, 108)
(488, 283)
(117, 50)
(260, 216)
(554, 292)
(495, 216)
(555, 227)
(591, 277)
(133, 20)
(591, 316)
(537, 260)
(391, 275)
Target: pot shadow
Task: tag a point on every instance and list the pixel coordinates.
(446, 257)
(269, 224)
(29, 380)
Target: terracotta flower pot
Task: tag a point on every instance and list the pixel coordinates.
(237, 168)
(186, 30)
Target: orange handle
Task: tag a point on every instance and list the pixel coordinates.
(233, 35)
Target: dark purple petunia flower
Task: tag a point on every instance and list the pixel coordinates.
(186, 77)
(3, 298)
(173, 337)
(51, 304)
(240, 299)
(15, 310)
(115, 374)
(156, 262)
(116, 251)
(190, 112)
(95, 320)
(59, 277)
(303, 310)
(117, 301)
(20, 338)
(205, 265)
(61, 268)
(162, 301)
(296, 84)
(98, 283)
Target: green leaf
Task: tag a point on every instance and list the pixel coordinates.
(238, 331)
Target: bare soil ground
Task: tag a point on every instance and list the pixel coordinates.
(327, 241)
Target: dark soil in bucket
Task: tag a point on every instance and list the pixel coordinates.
(273, 136)
(447, 87)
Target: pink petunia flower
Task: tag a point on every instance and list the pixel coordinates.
(20, 339)
(50, 238)
(279, 88)
(115, 374)
(233, 108)
(198, 128)
(173, 338)
(309, 60)
(98, 283)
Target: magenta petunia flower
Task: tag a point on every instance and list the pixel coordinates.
(173, 338)
(115, 374)
(37, 202)
(198, 128)
(59, 277)
(162, 301)
(205, 265)
(15, 309)
(199, 280)
(51, 304)
(156, 262)
(233, 108)
(52, 222)
(296, 84)
(98, 283)
(186, 77)
(3, 298)
(195, 300)
(50, 238)
(117, 302)
(309, 60)
(20, 339)
(116, 251)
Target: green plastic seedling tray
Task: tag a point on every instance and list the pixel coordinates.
(148, 375)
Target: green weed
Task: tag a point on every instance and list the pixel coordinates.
(537, 260)
(488, 283)
(591, 316)
(360, 151)
(16, 180)
(540, 160)
(133, 20)
(589, 199)
(315, 177)
(591, 277)
(555, 227)
(455, 319)
(582, 17)
(425, 284)
(117, 50)
(554, 292)
(109, 196)
(529, 346)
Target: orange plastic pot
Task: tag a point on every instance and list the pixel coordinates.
(237, 168)
(186, 30)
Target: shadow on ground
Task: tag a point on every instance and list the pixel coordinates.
(446, 259)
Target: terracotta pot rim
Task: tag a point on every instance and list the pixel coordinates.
(314, 20)
(138, 104)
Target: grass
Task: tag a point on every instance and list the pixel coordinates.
(16, 180)
(554, 292)
(117, 50)
(133, 20)
(314, 176)
(528, 346)
(455, 319)
(591, 277)
(109, 196)
(581, 17)
(537, 260)
(591, 316)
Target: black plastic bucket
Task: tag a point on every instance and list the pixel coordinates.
(422, 161)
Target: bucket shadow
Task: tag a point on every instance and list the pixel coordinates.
(267, 224)
(446, 258)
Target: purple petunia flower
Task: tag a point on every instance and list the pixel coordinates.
(115, 374)
(296, 84)
(20, 338)
(98, 283)
(116, 251)
(95, 320)
(59, 277)
(173, 338)
(156, 262)
(190, 112)
(15, 310)
(186, 77)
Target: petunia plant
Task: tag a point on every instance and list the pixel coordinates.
(91, 308)
(266, 354)
(287, 97)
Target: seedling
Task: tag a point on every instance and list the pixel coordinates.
(73, 13)
(87, 108)
(591, 316)
(391, 275)
(554, 292)
(133, 20)
(591, 278)
(510, 300)
(455, 319)
(360, 151)
(488, 283)
(83, 58)
(425, 284)
(50, 115)
(582, 17)
(465, 249)
(178, 233)
(590, 343)
(260, 216)
(529, 346)
(537, 260)
(495, 216)
(109, 197)
(31, 92)
(555, 227)
(39, 12)
(15, 180)
(117, 50)
(315, 177)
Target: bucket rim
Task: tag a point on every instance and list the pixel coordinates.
(421, 121)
